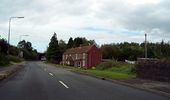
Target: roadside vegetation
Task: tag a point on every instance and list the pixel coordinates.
(26, 47)
(3, 61)
(15, 59)
(110, 69)
(132, 51)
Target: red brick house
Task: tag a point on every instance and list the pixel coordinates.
(83, 56)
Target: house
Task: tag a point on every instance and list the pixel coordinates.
(84, 56)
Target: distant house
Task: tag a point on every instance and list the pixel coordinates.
(83, 56)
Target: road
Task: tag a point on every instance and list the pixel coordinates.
(38, 81)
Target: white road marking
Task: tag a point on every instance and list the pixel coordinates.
(64, 84)
(45, 69)
(51, 74)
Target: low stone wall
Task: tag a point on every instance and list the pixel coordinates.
(153, 69)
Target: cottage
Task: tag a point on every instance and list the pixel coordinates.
(84, 56)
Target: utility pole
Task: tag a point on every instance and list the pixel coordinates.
(145, 45)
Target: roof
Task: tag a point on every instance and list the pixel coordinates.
(81, 49)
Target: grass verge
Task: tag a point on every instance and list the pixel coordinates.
(106, 73)
(6, 61)
(123, 71)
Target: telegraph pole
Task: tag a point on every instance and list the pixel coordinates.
(145, 45)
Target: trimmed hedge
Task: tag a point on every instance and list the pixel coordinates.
(154, 70)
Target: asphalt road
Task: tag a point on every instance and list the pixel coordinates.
(38, 81)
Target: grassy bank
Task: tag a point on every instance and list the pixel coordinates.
(111, 69)
(106, 73)
(5, 60)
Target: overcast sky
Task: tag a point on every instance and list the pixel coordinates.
(105, 21)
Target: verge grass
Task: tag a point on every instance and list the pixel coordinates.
(111, 69)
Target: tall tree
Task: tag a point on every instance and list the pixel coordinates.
(53, 51)
(28, 52)
(78, 41)
(28, 46)
(25, 45)
(70, 43)
(62, 46)
(21, 44)
(3, 46)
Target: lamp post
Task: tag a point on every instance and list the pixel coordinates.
(9, 32)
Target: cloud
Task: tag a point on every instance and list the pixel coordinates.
(106, 21)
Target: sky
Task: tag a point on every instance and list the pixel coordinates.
(105, 21)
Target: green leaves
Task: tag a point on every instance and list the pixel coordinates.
(53, 51)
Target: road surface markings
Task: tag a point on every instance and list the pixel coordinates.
(64, 84)
(51, 74)
(44, 69)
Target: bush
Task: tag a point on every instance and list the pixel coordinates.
(14, 58)
(3, 60)
(29, 55)
(110, 64)
(104, 65)
(123, 69)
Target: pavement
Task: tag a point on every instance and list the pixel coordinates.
(38, 81)
(162, 88)
(9, 70)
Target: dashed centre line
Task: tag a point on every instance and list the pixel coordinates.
(64, 84)
(51, 74)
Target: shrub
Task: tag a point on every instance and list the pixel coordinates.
(3, 60)
(14, 58)
(110, 64)
(105, 65)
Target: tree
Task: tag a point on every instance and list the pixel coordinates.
(3, 46)
(21, 44)
(53, 51)
(13, 51)
(70, 43)
(78, 41)
(92, 42)
(28, 52)
(26, 45)
(62, 46)
(110, 51)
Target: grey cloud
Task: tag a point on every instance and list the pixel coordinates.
(112, 16)
(145, 17)
(149, 17)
